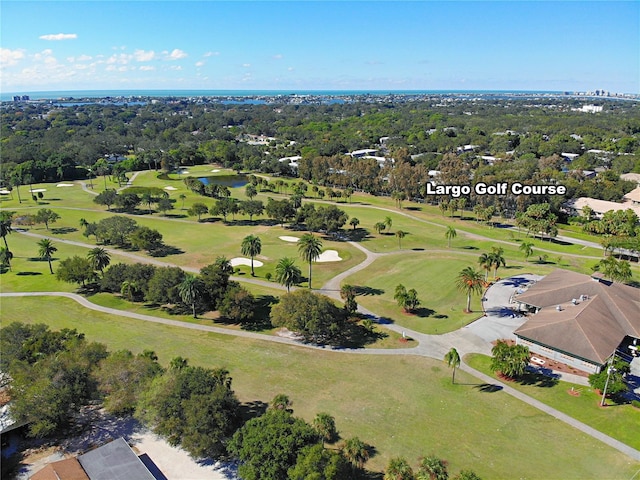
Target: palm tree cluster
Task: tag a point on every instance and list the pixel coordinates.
(510, 360)
(407, 299)
(494, 259)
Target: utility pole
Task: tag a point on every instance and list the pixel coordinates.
(610, 370)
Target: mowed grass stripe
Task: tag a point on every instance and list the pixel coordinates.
(402, 405)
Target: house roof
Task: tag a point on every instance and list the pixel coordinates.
(69, 469)
(592, 319)
(114, 461)
(600, 206)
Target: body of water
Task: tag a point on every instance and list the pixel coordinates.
(116, 94)
(231, 181)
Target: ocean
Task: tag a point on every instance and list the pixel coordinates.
(54, 95)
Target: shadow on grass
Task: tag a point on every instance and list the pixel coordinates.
(418, 249)
(166, 250)
(488, 388)
(365, 291)
(424, 312)
(470, 247)
(28, 274)
(252, 409)
(63, 230)
(175, 215)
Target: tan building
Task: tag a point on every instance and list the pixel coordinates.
(580, 320)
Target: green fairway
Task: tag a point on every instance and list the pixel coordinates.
(402, 405)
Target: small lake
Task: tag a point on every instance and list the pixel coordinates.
(231, 181)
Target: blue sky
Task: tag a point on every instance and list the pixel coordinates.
(326, 45)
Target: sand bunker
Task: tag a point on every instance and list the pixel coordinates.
(215, 171)
(38, 190)
(64, 185)
(4, 192)
(289, 239)
(170, 188)
(329, 256)
(245, 261)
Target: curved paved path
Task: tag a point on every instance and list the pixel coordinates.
(420, 350)
(434, 346)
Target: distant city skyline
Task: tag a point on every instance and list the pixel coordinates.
(326, 45)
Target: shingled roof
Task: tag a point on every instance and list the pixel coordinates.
(593, 318)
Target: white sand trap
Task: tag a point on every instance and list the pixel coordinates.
(170, 188)
(215, 171)
(5, 192)
(64, 185)
(38, 190)
(329, 256)
(289, 239)
(245, 261)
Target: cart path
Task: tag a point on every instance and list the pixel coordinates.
(420, 350)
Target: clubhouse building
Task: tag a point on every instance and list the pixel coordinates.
(580, 320)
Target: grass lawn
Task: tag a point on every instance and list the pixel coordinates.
(403, 405)
(620, 421)
(433, 275)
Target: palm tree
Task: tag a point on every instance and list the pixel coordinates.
(527, 249)
(129, 289)
(190, 291)
(400, 234)
(251, 246)
(287, 272)
(5, 226)
(485, 263)
(325, 425)
(388, 222)
(379, 227)
(432, 468)
(469, 281)
(46, 251)
(99, 258)
(452, 357)
(398, 469)
(280, 402)
(309, 247)
(356, 451)
(497, 259)
(450, 234)
(84, 222)
(183, 198)
(354, 222)
(5, 258)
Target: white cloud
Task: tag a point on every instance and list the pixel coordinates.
(199, 64)
(211, 54)
(176, 54)
(246, 65)
(175, 67)
(58, 36)
(147, 68)
(290, 69)
(143, 56)
(277, 56)
(9, 57)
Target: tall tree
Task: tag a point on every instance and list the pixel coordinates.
(251, 246)
(388, 222)
(469, 281)
(309, 247)
(287, 272)
(379, 227)
(450, 234)
(398, 469)
(46, 216)
(46, 251)
(6, 218)
(354, 222)
(432, 468)
(485, 263)
(527, 249)
(190, 291)
(356, 451)
(497, 259)
(453, 360)
(99, 258)
(325, 425)
(400, 234)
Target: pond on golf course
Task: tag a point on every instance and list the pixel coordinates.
(231, 181)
